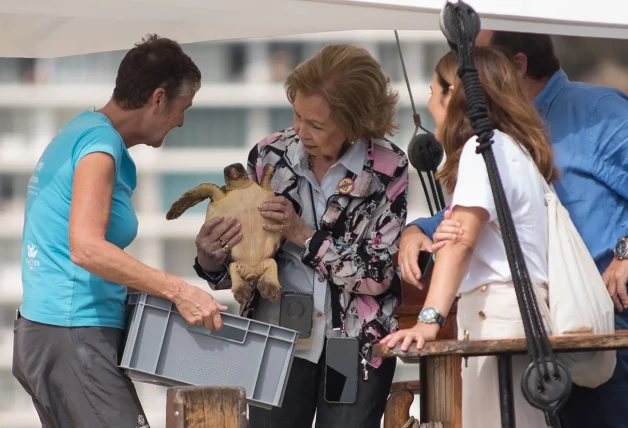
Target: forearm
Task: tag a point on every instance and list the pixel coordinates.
(450, 266)
(105, 260)
(209, 265)
(217, 279)
(302, 236)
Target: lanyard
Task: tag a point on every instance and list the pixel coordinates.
(337, 314)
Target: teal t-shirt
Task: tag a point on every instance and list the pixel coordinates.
(55, 290)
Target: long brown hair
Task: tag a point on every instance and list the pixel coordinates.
(509, 109)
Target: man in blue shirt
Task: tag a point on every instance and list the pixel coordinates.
(588, 128)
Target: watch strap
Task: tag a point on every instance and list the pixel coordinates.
(440, 320)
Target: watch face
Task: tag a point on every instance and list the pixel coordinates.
(428, 315)
(620, 248)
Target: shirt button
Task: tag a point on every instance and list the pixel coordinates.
(482, 315)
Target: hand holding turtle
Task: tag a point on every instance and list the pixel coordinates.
(215, 240)
(286, 221)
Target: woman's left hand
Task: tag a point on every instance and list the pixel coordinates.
(286, 220)
(447, 230)
(420, 334)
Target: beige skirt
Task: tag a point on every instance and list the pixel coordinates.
(491, 312)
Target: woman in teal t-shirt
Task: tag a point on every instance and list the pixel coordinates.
(79, 218)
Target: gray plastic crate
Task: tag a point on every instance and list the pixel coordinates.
(161, 348)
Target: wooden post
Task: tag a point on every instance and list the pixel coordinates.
(206, 407)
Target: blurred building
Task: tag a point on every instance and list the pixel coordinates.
(241, 101)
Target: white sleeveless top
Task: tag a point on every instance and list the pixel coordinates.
(524, 191)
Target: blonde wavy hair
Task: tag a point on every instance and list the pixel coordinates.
(352, 82)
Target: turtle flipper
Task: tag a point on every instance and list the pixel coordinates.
(193, 197)
(267, 175)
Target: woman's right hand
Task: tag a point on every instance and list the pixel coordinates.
(198, 307)
(413, 240)
(215, 235)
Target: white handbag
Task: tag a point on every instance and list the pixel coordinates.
(579, 302)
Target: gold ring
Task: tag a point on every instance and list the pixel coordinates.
(225, 249)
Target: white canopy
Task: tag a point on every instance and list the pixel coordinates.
(50, 28)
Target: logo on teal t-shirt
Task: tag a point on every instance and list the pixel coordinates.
(55, 290)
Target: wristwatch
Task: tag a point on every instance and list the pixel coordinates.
(429, 315)
(621, 249)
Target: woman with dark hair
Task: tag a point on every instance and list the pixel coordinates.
(341, 206)
(474, 264)
(79, 218)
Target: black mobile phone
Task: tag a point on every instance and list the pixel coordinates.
(426, 263)
(342, 367)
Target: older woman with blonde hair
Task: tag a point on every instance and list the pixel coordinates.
(474, 265)
(340, 206)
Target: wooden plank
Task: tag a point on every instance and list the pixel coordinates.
(565, 343)
(206, 407)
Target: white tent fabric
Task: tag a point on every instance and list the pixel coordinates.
(51, 28)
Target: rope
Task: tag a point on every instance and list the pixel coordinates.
(435, 186)
(546, 382)
(414, 423)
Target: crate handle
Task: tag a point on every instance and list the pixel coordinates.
(227, 332)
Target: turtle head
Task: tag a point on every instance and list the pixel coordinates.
(236, 175)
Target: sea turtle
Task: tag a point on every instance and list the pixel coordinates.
(252, 257)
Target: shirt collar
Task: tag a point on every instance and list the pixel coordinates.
(553, 86)
(352, 159)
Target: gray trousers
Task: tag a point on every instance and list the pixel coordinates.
(73, 377)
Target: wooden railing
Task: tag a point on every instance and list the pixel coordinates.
(439, 362)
